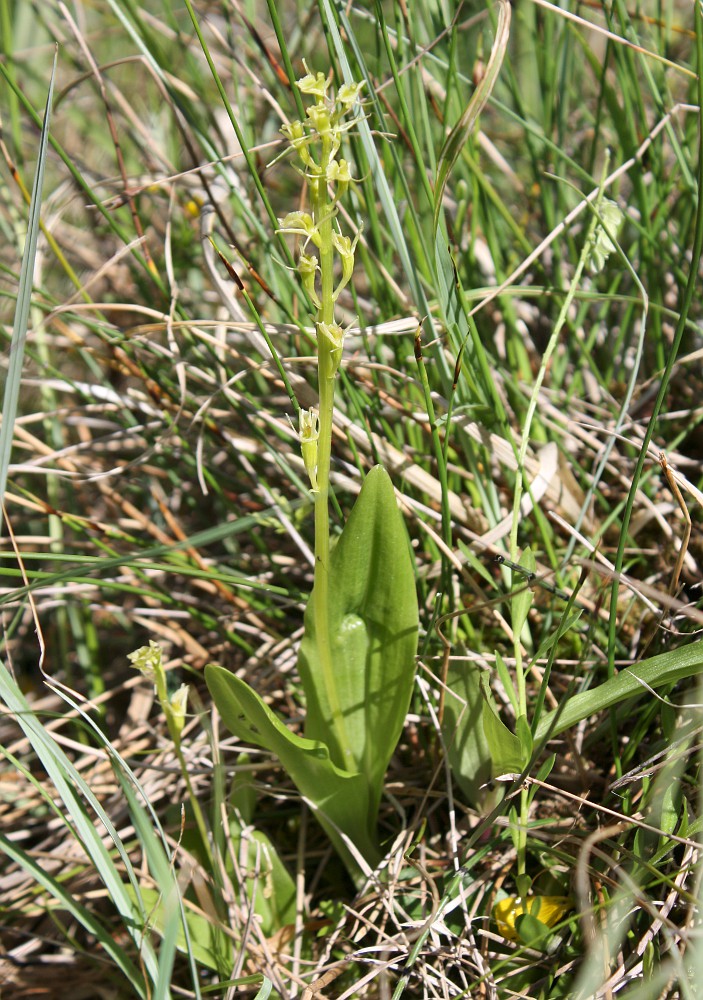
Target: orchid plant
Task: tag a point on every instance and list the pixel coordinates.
(357, 657)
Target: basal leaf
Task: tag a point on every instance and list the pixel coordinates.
(504, 746)
(340, 798)
(373, 624)
(270, 884)
(462, 728)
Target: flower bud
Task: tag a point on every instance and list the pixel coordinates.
(309, 433)
(308, 267)
(345, 248)
(334, 335)
(177, 705)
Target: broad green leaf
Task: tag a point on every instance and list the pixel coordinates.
(463, 732)
(274, 894)
(669, 817)
(373, 623)
(657, 671)
(340, 798)
(504, 746)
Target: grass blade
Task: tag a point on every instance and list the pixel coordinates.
(24, 298)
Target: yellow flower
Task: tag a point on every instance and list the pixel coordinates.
(549, 909)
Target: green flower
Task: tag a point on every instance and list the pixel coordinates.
(301, 224)
(338, 173)
(348, 95)
(313, 83)
(148, 660)
(320, 118)
(308, 266)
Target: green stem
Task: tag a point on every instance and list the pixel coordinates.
(327, 368)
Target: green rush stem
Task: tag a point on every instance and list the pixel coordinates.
(326, 367)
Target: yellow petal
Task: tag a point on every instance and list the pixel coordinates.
(549, 909)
